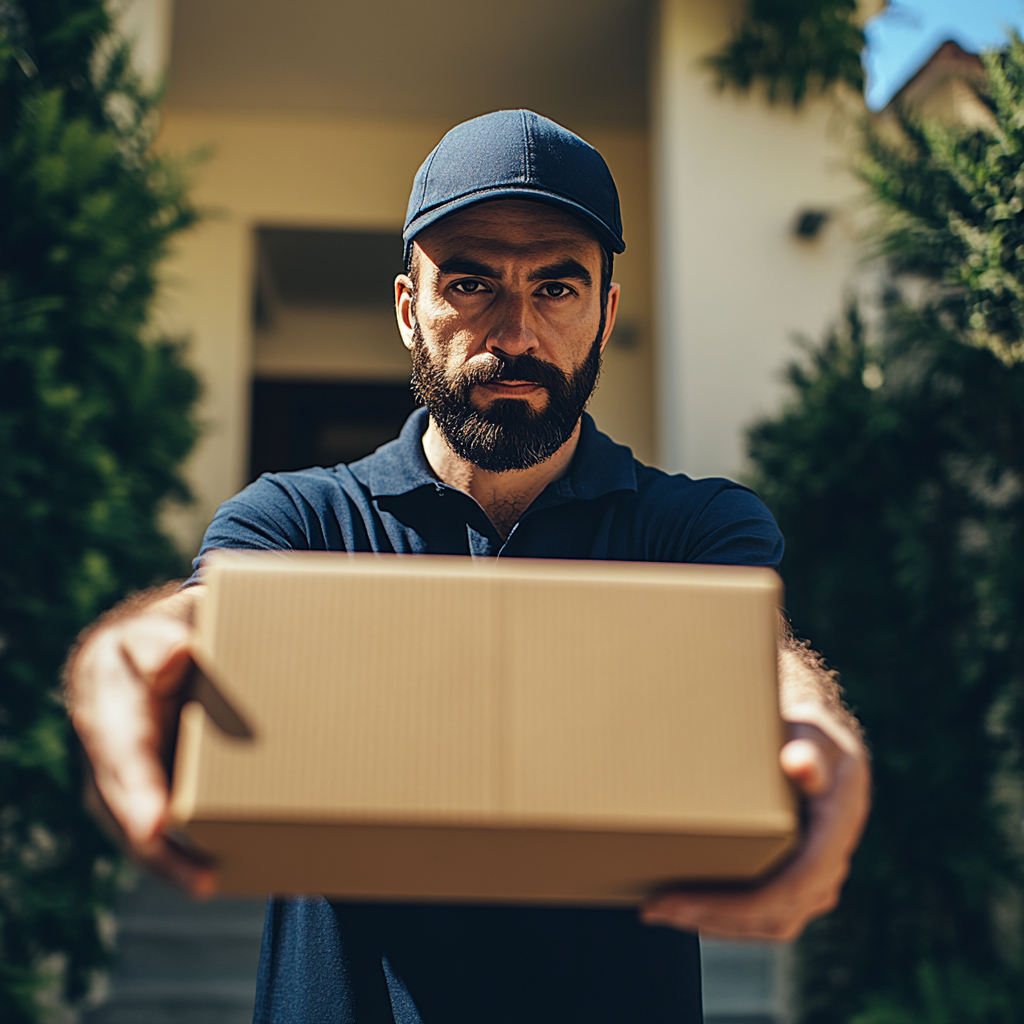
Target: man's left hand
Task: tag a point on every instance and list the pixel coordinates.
(827, 762)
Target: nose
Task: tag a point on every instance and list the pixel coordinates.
(512, 334)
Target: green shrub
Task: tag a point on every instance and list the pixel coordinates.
(794, 49)
(95, 419)
(897, 475)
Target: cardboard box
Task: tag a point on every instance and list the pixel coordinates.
(449, 729)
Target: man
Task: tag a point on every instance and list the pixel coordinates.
(506, 306)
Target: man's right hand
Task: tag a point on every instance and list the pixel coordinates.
(125, 692)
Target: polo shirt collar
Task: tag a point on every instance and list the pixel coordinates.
(599, 466)
(400, 466)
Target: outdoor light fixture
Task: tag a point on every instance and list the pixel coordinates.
(809, 223)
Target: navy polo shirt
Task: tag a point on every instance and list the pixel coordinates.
(326, 962)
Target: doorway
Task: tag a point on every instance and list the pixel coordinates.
(330, 374)
(301, 423)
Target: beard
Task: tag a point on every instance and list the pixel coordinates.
(509, 433)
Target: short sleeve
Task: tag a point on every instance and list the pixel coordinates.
(266, 516)
(735, 528)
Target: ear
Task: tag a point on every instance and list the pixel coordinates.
(610, 313)
(403, 309)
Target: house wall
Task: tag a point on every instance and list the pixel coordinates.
(733, 282)
(954, 101)
(727, 176)
(343, 173)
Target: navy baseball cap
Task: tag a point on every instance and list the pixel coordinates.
(515, 154)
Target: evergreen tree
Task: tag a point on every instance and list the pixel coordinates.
(95, 419)
(794, 48)
(897, 476)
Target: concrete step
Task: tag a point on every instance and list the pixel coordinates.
(745, 982)
(181, 962)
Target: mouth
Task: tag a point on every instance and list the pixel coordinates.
(511, 388)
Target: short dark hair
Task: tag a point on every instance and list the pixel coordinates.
(607, 263)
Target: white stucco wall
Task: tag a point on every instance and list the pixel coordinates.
(146, 24)
(733, 283)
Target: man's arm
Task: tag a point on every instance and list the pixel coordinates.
(827, 761)
(123, 682)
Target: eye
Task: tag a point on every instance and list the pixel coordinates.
(555, 290)
(470, 287)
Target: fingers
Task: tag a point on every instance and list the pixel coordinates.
(807, 765)
(123, 736)
(183, 868)
(160, 854)
(836, 781)
(159, 650)
(126, 699)
(777, 910)
(125, 692)
(732, 916)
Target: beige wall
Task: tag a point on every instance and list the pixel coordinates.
(734, 284)
(955, 101)
(339, 173)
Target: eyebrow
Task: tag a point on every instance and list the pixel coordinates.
(465, 265)
(563, 268)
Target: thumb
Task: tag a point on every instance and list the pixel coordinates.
(806, 764)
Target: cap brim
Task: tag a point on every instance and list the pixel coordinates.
(605, 235)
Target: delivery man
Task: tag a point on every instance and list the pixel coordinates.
(506, 306)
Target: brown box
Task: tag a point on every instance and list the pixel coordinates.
(450, 729)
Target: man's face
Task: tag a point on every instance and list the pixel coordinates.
(506, 329)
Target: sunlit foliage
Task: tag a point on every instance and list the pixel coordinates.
(897, 475)
(794, 49)
(954, 200)
(94, 422)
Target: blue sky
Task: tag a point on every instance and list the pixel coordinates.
(902, 38)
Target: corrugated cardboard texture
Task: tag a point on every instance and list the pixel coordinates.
(448, 728)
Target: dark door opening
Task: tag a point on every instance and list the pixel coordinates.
(329, 364)
(298, 424)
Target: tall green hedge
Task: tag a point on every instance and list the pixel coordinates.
(95, 419)
(897, 476)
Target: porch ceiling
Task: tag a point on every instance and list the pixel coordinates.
(579, 61)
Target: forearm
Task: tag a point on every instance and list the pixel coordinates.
(806, 683)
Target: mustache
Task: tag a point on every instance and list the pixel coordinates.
(527, 368)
